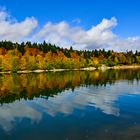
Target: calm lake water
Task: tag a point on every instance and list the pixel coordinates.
(74, 105)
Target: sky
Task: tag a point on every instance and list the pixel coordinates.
(83, 24)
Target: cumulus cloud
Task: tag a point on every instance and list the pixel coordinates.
(97, 37)
(65, 35)
(13, 30)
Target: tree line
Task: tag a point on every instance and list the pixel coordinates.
(32, 56)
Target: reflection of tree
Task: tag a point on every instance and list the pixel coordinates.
(27, 86)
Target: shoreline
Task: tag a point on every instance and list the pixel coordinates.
(126, 67)
(80, 69)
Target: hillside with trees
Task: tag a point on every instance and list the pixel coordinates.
(33, 56)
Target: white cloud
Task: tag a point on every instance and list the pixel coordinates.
(13, 30)
(98, 37)
(77, 20)
(64, 35)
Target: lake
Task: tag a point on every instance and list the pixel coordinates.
(70, 105)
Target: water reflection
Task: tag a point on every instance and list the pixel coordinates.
(10, 112)
(27, 86)
(32, 95)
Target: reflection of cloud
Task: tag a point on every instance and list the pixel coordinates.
(103, 98)
(9, 113)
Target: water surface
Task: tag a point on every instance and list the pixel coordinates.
(74, 105)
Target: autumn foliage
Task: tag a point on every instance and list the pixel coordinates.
(28, 56)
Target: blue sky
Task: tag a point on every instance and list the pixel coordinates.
(81, 13)
(90, 12)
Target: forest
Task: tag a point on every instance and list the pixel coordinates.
(33, 56)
